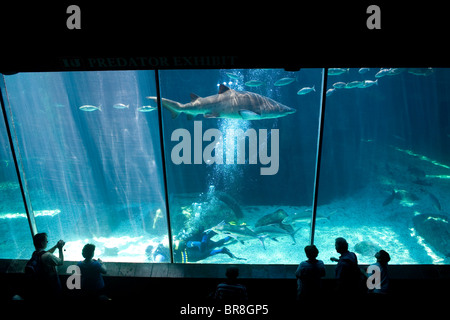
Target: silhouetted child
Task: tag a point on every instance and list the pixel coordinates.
(230, 290)
(92, 284)
(382, 260)
(309, 273)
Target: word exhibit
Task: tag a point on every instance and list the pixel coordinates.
(214, 152)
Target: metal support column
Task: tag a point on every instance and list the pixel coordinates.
(27, 204)
(319, 152)
(166, 192)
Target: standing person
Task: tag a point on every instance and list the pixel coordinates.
(92, 284)
(308, 274)
(45, 283)
(348, 274)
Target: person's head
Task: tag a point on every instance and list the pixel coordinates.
(382, 257)
(341, 245)
(232, 273)
(88, 251)
(40, 240)
(311, 252)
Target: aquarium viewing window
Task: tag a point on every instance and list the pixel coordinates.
(221, 165)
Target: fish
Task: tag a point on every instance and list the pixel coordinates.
(121, 106)
(283, 82)
(254, 83)
(230, 202)
(354, 84)
(330, 91)
(233, 76)
(229, 104)
(339, 85)
(271, 218)
(382, 73)
(302, 216)
(277, 230)
(306, 90)
(363, 70)
(146, 108)
(406, 198)
(337, 71)
(421, 71)
(238, 232)
(369, 83)
(396, 71)
(90, 108)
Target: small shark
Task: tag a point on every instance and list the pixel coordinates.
(238, 232)
(230, 104)
(272, 218)
(277, 230)
(304, 216)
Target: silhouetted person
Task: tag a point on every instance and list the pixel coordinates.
(230, 290)
(92, 284)
(309, 273)
(45, 283)
(348, 274)
(382, 261)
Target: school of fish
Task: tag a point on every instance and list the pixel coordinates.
(285, 81)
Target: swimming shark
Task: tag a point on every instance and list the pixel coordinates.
(238, 232)
(277, 230)
(304, 216)
(230, 104)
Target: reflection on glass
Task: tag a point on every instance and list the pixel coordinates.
(90, 149)
(240, 148)
(240, 154)
(15, 235)
(385, 165)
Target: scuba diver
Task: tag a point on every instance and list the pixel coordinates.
(199, 246)
(192, 247)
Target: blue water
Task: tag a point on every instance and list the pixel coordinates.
(98, 177)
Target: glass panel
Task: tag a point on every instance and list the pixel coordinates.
(15, 234)
(240, 154)
(386, 165)
(91, 154)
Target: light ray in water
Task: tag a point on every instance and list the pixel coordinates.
(436, 259)
(438, 176)
(422, 157)
(39, 213)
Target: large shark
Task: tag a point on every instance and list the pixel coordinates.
(230, 104)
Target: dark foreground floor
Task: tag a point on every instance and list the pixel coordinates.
(189, 298)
